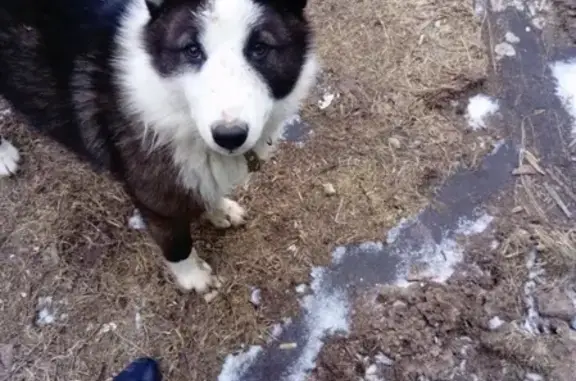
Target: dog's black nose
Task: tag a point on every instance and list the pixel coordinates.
(230, 135)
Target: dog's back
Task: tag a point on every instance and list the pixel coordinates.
(40, 41)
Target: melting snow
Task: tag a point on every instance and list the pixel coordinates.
(479, 108)
(439, 259)
(395, 231)
(301, 289)
(495, 323)
(236, 365)
(136, 222)
(46, 311)
(532, 315)
(564, 73)
(326, 313)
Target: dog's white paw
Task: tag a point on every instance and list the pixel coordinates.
(194, 273)
(227, 213)
(9, 158)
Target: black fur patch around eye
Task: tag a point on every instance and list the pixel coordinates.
(290, 36)
(170, 34)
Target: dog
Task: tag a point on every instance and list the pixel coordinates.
(177, 99)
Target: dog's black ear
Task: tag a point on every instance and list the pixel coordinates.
(154, 7)
(293, 6)
(297, 5)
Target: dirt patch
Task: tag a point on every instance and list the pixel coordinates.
(82, 294)
(565, 11)
(508, 313)
(472, 327)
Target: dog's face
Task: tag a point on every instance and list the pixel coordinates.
(231, 62)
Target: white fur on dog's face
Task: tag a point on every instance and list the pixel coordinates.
(185, 101)
(226, 88)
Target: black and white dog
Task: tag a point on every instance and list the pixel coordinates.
(178, 99)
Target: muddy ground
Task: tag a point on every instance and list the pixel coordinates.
(81, 293)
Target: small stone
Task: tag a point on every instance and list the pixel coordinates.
(301, 288)
(371, 370)
(287, 346)
(556, 303)
(394, 142)
(573, 323)
(329, 189)
(256, 297)
(381, 358)
(533, 377)
(495, 323)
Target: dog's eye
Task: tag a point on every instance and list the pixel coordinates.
(258, 50)
(194, 53)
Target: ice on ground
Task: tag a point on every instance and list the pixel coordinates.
(532, 321)
(564, 73)
(236, 365)
(46, 311)
(439, 258)
(480, 107)
(326, 313)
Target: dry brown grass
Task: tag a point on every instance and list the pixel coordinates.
(66, 226)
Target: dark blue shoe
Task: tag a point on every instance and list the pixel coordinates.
(142, 369)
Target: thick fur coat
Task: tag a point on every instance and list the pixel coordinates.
(171, 97)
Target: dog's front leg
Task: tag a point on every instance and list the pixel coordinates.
(172, 234)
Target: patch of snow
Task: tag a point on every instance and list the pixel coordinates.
(395, 231)
(440, 258)
(338, 254)
(532, 320)
(511, 38)
(495, 323)
(371, 373)
(533, 377)
(45, 317)
(325, 313)
(301, 288)
(136, 222)
(381, 358)
(477, 226)
(501, 5)
(371, 246)
(480, 7)
(326, 100)
(46, 311)
(236, 365)
(276, 330)
(504, 49)
(564, 73)
(479, 108)
(138, 320)
(107, 327)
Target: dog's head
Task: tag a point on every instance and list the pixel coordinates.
(222, 70)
